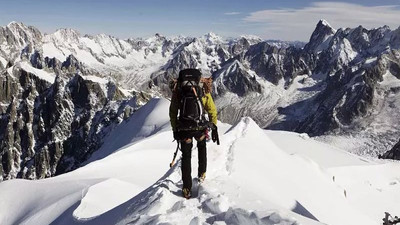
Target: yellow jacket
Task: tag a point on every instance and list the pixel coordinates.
(208, 104)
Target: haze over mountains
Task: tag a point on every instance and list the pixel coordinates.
(62, 93)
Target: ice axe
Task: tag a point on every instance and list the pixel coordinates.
(214, 134)
(176, 152)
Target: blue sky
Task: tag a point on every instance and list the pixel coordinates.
(285, 20)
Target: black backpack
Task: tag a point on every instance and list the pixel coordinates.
(191, 109)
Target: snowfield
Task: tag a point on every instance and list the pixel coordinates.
(255, 176)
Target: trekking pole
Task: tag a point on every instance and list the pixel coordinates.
(176, 152)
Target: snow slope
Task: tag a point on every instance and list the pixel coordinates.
(49, 77)
(254, 177)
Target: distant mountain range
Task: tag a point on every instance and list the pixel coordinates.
(63, 92)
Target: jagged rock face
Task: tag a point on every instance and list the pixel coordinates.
(36, 60)
(184, 59)
(266, 61)
(297, 62)
(69, 67)
(235, 79)
(8, 89)
(393, 153)
(181, 61)
(349, 94)
(48, 129)
(17, 135)
(276, 64)
(72, 65)
(339, 104)
(360, 38)
(352, 82)
(239, 47)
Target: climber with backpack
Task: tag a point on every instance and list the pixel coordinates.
(191, 101)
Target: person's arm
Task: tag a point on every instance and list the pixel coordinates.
(209, 106)
(173, 110)
(212, 113)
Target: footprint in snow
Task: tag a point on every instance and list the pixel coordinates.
(394, 182)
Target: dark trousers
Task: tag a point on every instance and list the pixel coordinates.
(186, 148)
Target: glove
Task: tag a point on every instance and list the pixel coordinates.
(177, 135)
(214, 134)
(207, 134)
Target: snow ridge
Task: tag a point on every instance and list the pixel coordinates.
(297, 186)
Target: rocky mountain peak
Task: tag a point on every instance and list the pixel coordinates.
(324, 23)
(158, 35)
(17, 35)
(15, 24)
(66, 35)
(212, 38)
(239, 46)
(252, 39)
(236, 79)
(320, 36)
(155, 39)
(18, 26)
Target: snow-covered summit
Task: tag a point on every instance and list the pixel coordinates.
(250, 37)
(65, 35)
(212, 39)
(17, 35)
(320, 38)
(156, 38)
(324, 23)
(15, 24)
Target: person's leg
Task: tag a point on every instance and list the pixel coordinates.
(201, 146)
(186, 167)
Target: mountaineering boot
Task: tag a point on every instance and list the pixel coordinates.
(202, 177)
(186, 193)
